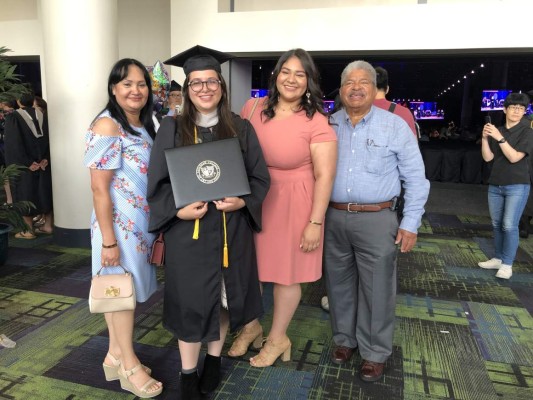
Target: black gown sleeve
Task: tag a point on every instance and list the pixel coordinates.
(258, 176)
(14, 142)
(45, 140)
(160, 198)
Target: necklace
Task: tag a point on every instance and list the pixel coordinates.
(287, 108)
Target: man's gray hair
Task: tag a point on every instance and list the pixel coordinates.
(359, 64)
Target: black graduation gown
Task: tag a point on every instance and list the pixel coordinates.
(193, 268)
(23, 148)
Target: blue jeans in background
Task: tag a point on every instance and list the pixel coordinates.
(506, 204)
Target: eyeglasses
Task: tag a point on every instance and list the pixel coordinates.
(517, 108)
(362, 82)
(197, 86)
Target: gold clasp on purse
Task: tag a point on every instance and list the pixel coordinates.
(112, 291)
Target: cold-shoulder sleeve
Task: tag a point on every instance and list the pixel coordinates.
(102, 152)
(160, 198)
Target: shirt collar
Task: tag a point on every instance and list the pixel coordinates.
(365, 119)
(522, 124)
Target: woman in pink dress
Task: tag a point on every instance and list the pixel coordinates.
(301, 153)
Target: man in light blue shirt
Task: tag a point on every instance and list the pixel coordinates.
(377, 150)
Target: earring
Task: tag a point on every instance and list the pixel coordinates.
(308, 95)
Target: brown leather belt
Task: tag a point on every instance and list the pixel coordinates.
(355, 207)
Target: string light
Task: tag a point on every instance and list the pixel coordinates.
(449, 88)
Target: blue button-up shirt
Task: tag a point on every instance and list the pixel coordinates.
(374, 156)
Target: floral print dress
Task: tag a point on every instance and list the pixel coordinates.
(128, 156)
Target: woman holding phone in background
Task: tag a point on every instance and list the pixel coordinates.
(509, 148)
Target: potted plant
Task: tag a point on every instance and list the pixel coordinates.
(10, 86)
(11, 213)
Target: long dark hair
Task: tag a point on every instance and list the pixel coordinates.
(187, 120)
(119, 72)
(315, 102)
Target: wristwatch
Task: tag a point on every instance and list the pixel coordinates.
(502, 140)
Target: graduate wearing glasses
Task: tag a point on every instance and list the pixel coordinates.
(204, 295)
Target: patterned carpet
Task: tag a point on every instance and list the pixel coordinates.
(460, 332)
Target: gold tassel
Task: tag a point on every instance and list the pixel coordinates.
(225, 262)
(196, 233)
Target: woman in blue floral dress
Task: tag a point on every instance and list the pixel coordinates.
(118, 146)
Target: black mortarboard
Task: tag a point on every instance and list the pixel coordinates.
(174, 86)
(199, 58)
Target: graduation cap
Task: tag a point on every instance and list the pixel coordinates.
(199, 58)
(174, 87)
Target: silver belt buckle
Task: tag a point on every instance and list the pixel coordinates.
(348, 208)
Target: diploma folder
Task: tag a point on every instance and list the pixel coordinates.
(207, 171)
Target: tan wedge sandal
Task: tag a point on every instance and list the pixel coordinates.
(142, 392)
(111, 371)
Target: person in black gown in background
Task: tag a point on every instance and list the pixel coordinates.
(26, 143)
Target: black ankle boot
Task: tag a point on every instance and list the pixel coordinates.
(210, 375)
(190, 388)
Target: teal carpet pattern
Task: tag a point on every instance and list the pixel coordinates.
(461, 333)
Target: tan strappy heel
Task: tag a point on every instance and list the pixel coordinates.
(271, 351)
(248, 335)
(141, 392)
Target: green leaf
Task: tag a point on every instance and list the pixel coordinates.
(10, 84)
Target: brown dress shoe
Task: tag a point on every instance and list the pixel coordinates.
(341, 354)
(371, 371)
